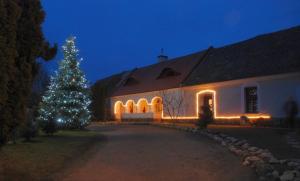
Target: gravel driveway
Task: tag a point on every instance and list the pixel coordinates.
(138, 153)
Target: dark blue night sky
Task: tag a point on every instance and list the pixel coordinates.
(118, 35)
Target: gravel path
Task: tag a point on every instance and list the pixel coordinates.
(138, 153)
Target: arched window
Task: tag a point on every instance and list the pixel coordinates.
(142, 106)
(119, 109)
(167, 72)
(129, 106)
(156, 105)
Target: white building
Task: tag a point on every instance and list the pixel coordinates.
(253, 78)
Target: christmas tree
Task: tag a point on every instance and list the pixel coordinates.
(48, 109)
(68, 97)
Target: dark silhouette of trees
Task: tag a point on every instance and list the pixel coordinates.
(40, 83)
(9, 15)
(21, 44)
(39, 87)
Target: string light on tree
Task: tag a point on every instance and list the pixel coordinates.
(70, 91)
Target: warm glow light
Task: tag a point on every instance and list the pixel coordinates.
(154, 98)
(142, 99)
(129, 102)
(216, 116)
(116, 104)
(180, 117)
(264, 116)
(142, 105)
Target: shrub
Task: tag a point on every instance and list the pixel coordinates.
(244, 120)
(49, 127)
(205, 117)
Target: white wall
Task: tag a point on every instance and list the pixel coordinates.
(138, 116)
(273, 92)
(135, 98)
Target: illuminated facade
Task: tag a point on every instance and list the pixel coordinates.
(236, 81)
(227, 100)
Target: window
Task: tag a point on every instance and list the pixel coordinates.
(167, 72)
(142, 106)
(130, 107)
(157, 105)
(251, 100)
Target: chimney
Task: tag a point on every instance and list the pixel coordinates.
(162, 57)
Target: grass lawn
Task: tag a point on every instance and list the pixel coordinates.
(273, 139)
(45, 156)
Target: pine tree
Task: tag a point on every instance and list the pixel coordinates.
(68, 97)
(47, 111)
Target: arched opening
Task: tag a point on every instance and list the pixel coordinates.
(119, 109)
(157, 107)
(142, 106)
(206, 99)
(130, 106)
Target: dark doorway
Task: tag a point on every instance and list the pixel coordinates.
(208, 101)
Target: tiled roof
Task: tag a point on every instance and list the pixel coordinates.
(270, 54)
(147, 79)
(274, 53)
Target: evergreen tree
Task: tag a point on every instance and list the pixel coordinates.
(21, 43)
(31, 45)
(39, 87)
(48, 109)
(9, 15)
(68, 97)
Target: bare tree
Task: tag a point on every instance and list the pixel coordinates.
(172, 102)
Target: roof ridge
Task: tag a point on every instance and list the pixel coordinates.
(259, 36)
(170, 61)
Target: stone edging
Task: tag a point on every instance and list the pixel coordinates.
(266, 166)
